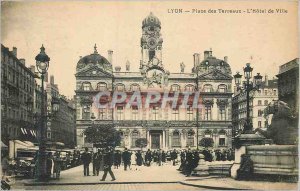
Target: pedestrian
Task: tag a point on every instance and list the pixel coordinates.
(159, 157)
(148, 157)
(126, 158)
(139, 160)
(57, 165)
(189, 163)
(49, 165)
(96, 162)
(174, 156)
(108, 162)
(132, 160)
(4, 165)
(163, 157)
(86, 160)
(94, 159)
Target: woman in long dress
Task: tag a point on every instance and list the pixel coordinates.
(139, 160)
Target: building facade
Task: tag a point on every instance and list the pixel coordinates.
(259, 100)
(17, 95)
(288, 84)
(164, 125)
(61, 122)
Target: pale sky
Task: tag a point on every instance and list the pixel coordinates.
(70, 29)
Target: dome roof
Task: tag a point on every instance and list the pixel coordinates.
(94, 58)
(151, 20)
(212, 63)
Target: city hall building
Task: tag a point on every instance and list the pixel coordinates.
(164, 127)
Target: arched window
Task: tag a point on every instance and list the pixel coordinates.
(190, 138)
(222, 88)
(176, 139)
(86, 86)
(102, 86)
(207, 133)
(134, 136)
(175, 88)
(207, 88)
(120, 87)
(189, 88)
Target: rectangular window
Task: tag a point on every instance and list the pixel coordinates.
(86, 87)
(207, 114)
(260, 112)
(155, 113)
(266, 92)
(101, 113)
(259, 124)
(222, 113)
(135, 113)
(120, 113)
(259, 102)
(221, 141)
(175, 114)
(190, 114)
(86, 113)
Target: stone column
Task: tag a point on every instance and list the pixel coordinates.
(148, 139)
(163, 139)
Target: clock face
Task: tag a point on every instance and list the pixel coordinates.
(152, 43)
(155, 61)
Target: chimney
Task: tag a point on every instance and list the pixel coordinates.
(196, 59)
(52, 79)
(206, 54)
(22, 60)
(14, 51)
(266, 80)
(32, 68)
(110, 54)
(118, 68)
(226, 59)
(210, 52)
(127, 66)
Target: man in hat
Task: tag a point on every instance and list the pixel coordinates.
(108, 162)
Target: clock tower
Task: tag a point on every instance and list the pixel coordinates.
(151, 42)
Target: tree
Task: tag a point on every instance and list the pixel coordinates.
(206, 142)
(141, 142)
(103, 135)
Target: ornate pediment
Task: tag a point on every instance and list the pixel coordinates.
(208, 101)
(215, 75)
(93, 70)
(222, 102)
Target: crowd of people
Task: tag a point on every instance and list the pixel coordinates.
(106, 158)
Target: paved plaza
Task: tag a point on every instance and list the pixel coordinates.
(165, 177)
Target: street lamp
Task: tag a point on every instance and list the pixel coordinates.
(247, 87)
(42, 64)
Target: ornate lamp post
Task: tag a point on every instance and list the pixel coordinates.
(247, 87)
(247, 137)
(42, 64)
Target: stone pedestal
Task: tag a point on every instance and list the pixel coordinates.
(202, 168)
(240, 142)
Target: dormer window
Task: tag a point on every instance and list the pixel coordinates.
(208, 88)
(86, 86)
(222, 88)
(101, 86)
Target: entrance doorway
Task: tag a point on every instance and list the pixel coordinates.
(155, 141)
